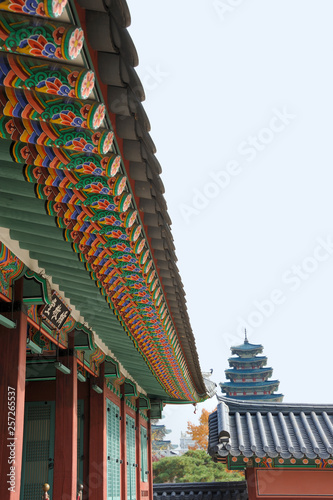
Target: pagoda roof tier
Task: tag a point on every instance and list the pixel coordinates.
(279, 431)
(254, 360)
(274, 398)
(252, 372)
(247, 347)
(243, 352)
(156, 443)
(160, 428)
(250, 385)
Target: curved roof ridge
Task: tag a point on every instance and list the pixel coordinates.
(235, 405)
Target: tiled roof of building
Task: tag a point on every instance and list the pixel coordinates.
(249, 385)
(271, 430)
(254, 372)
(233, 490)
(241, 361)
(81, 197)
(246, 346)
(116, 55)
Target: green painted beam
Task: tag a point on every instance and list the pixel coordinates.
(35, 231)
(38, 233)
(6, 322)
(17, 188)
(5, 150)
(31, 206)
(11, 171)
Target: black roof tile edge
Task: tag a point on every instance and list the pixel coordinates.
(262, 406)
(168, 488)
(122, 96)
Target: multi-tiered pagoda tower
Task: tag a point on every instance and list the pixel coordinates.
(248, 376)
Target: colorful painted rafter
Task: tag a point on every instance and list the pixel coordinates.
(55, 131)
(10, 269)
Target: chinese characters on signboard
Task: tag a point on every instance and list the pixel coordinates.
(56, 313)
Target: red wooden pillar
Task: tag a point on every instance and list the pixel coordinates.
(65, 446)
(138, 449)
(251, 483)
(12, 394)
(123, 445)
(97, 440)
(150, 459)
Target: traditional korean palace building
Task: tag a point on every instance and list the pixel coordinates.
(285, 449)
(161, 447)
(95, 336)
(248, 377)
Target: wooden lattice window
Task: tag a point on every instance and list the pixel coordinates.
(113, 450)
(144, 454)
(130, 454)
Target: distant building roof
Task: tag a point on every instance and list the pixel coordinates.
(253, 372)
(255, 359)
(161, 428)
(247, 377)
(249, 385)
(246, 346)
(201, 491)
(209, 384)
(263, 429)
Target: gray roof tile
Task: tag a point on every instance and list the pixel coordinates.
(233, 490)
(107, 21)
(271, 429)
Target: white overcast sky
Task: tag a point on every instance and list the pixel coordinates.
(239, 96)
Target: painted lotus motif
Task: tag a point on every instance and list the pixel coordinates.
(55, 86)
(107, 142)
(88, 84)
(68, 118)
(99, 116)
(89, 168)
(76, 43)
(31, 7)
(58, 7)
(40, 47)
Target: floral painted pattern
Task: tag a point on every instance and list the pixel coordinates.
(76, 43)
(31, 7)
(45, 40)
(58, 7)
(88, 84)
(53, 85)
(68, 118)
(99, 116)
(107, 143)
(40, 47)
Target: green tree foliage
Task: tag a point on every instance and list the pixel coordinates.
(195, 466)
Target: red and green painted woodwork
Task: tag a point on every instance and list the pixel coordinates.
(114, 285)
(60, 159)
(11, 268)
(248, 378)
(20, 103)
(45, 77)
(44, 8)
(241, 462)
(49, 134)
(93, 357)
(67, 156)
(40, 38)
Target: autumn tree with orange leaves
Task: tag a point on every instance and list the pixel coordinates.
(199, 433)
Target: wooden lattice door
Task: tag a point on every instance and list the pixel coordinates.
(38, 449)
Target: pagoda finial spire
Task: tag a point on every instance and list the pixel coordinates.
(245, 340)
